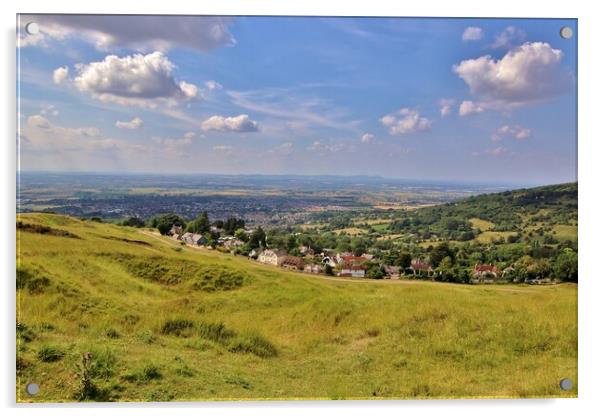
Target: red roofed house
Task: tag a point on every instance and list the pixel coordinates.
(485, 273)
(420, 268)
(292, 263)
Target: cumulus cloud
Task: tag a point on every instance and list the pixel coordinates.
(368, 138)
(470, 107)
(509, 37)
(331, 147)
(60, 75)
(517, 132)
(405, 121)
(529, 73)
(239, 124)
(140, 33)
(140, 80)
(135, 123)
(472, 33)
(445, 106)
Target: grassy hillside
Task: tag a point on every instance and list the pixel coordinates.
(166, 322)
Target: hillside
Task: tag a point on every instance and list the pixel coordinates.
(524, 210)
(167, 322)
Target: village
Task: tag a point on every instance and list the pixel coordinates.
(332, 263)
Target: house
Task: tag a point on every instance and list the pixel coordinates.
(273, 257)
(292, 263)
(306, 251)
(176, 231)
(313, 268)
(233, 242)
(351, 270)
(420, 268)
(350, 259)
(485, 273)
(392, 272)
(194, 239)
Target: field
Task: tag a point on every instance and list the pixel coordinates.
(166, 322)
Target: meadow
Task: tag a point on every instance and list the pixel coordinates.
(167, 322)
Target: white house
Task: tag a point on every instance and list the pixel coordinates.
(273, 257)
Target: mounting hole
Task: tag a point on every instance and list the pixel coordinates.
(32, 389)
(566, 32)
(32, 28)
(566, 384)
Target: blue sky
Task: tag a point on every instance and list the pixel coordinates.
(490, 100)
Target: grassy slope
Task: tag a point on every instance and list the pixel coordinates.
(335, 338)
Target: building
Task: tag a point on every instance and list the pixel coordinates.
(176, 231)
(485, 273)
(351, 270)
(273, 257)
(392, 272)
(292, 263)
(420, 268)
(194, 239)
(313, 268)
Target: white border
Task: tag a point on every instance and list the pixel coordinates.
(590, 346)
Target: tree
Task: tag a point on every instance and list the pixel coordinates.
(405, 260)
(200, 224)
(232, 224)
(165, 222)
(133, 222)
(257, 239)
(446, 270)
(375, 271)
(439, 253)
(241, 235)
(291, 243)
(565, 265)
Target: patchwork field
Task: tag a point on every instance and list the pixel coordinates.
(166, 322)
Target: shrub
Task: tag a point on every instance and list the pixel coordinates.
(49, 353)
(255, 344)
(112, 333)
(149, 372)
(216, 332)
(26, 279)
(178, 327)
(24, 332)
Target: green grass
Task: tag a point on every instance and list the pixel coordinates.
(490, 236)
(481, 225)
(274, 334)
(565, 232)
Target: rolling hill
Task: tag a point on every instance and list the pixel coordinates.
(167, 322)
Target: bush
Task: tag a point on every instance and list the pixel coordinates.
(216, 332)
(49, 354)
(112, 333)
(150, 372)
(255, 344)
(26, 279)
(178, 327)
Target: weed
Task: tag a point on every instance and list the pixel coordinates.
(49, 354)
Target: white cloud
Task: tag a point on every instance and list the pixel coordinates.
(135, 123)
(498, 151)
(508, 38)
(445, 106)
(49, 110)
(189, 135)
(140, 33)
(472, 33)
(140, 80)
(470, 107)
(368, 138)
(223, 148)
(240, 124)
(529, 73)
(331, 147)
(38, 121)
(213, 85)
(284, 149)
(517, 132)
(60, 75)
(405, 121)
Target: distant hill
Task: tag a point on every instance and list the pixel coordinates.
(517, 210)
(168, 322)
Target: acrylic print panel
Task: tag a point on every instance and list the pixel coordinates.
(251, 208)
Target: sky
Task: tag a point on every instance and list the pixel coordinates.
(486, 100)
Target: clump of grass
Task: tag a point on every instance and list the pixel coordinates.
(373, 332)
(216, 280)
(25, 333)
(50, 353)
(238, 381)
(145, 374)
(215, 331)
(178, 327)
(27, 279)
(112, 333)
(43, 229)
(102, 363)
(253, 343)
(147, 336)
(130, 319)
